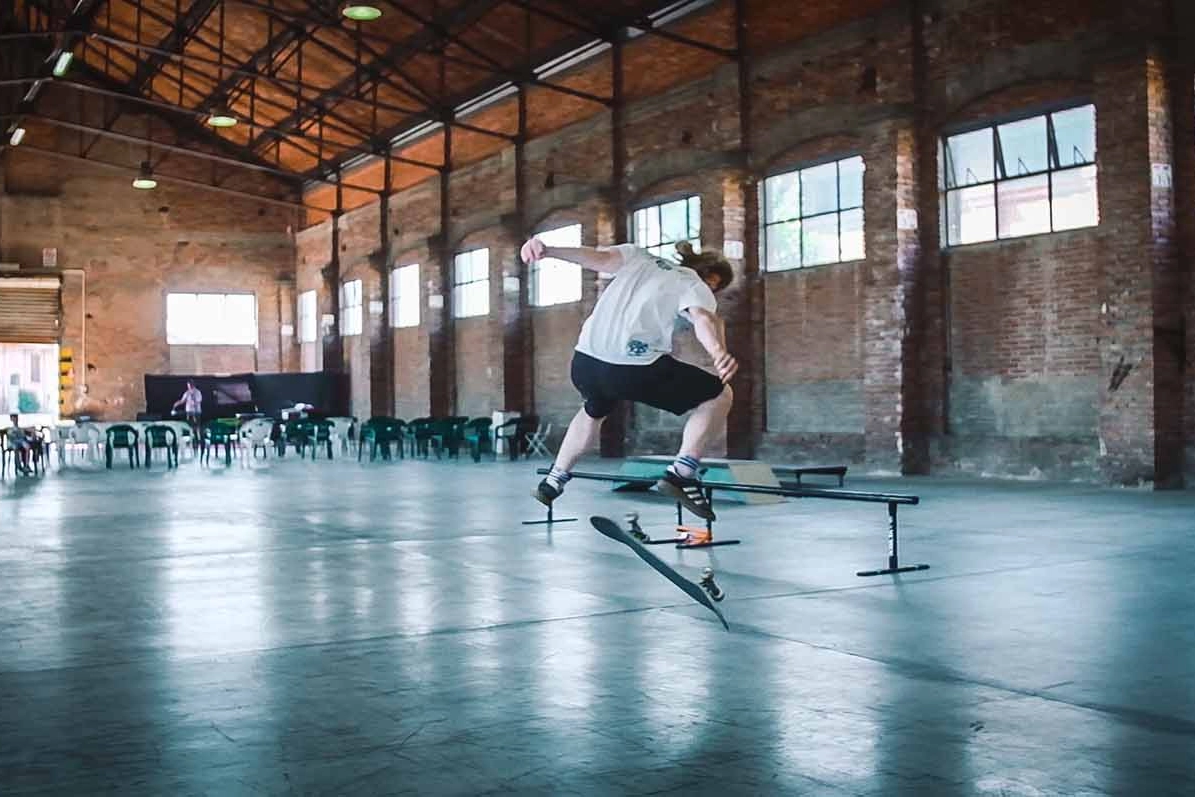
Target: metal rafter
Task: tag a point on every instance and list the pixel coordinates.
(81, 18)
(176, 41)
(404, 50)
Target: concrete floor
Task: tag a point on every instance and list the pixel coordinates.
(330, 628)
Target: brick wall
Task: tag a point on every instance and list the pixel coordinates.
(135, 247)
(995, 358)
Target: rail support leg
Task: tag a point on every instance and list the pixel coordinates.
(893, 550)
(550, 520)
(709, 527)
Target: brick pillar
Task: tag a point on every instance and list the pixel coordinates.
(892, 239)
(1170, 99)
(288, 345)
(513, 318)
(742, 307)
(1182, 88)
(441, 372)
(1132, 123)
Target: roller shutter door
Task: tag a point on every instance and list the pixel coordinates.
(30, 310)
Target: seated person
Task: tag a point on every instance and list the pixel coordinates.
(20, 441)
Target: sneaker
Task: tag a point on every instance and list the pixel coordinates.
(545, 493)
(688, 492)
(691, 535)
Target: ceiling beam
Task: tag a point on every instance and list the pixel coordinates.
(463, 16)
(175, 41)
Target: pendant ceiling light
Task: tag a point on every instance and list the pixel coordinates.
(145, 180)
(360, 12)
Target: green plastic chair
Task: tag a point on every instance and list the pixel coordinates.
(479, 438)
(447, 435)
(122, 435)
(296, 433)
(218, 433)
(161, 436)
(316, 433)
(380, 432)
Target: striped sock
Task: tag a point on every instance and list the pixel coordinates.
(686, 467)
(558, 478)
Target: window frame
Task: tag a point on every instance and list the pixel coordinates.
(396, 298)
(657, 203)
(999, 173)
(457, 286)
(352, 324)
(838, 210)
(535, 271)
(199, 341)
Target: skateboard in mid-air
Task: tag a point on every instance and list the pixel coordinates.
(705, 593)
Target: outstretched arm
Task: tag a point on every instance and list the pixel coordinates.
(608, 261)
(711, 334)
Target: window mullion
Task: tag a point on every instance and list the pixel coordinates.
(838, 203)
(801, 219)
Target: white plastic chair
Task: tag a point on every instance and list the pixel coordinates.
(341, 428)
(186, 443)
(256, 434)
(537, 442)
(86, 438)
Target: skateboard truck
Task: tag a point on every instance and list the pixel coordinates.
(710, 586)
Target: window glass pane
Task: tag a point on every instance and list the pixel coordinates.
(782, 197)
(404, 287)
(694, 220)
(180, 311)
(969, 158)
(307, 321)
(1024, 206)
(674, 221)
(819, 190)
(652, 220)
(783, 246)
(850, 182)
(1074, 135)
(557, 281)
(819, 237)
(240, 314)
(1023, 145)
(971, 215)
(852, 235)
(1075, 202)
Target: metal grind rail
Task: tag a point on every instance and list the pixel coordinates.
(892, 500)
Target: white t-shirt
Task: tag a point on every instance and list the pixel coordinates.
(633, 321)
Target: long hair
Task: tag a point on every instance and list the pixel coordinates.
(705, 263)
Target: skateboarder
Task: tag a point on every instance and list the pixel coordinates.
(624, 353)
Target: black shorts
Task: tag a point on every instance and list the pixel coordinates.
(666, 384)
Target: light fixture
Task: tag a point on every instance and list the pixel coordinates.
(63, 63)
(18, 135)
(361, 12)
(221, 117)
(145, 180)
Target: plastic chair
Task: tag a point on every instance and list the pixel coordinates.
(511, 432)
(86, 437)
(377, 433)
(217, 434)
(537, 442)
(258, 433)
(159, 435)
(477, 435)
(293, 432)
(420, 434)
(122, 435)
(317, 433)
(7, 452)
(447, 434)
(187, 441)
(342, 432)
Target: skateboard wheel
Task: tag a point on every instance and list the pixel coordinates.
(710, 586)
